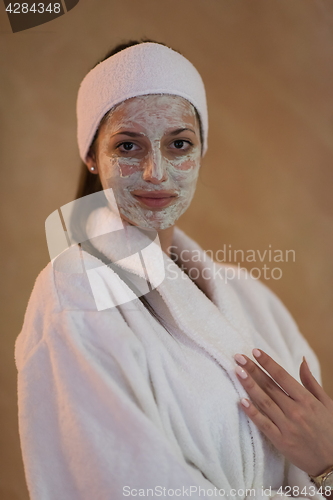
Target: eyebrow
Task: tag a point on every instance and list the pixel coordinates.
(136, 134)
(127, 132)
(179, 130)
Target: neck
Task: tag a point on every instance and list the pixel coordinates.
(165, 236)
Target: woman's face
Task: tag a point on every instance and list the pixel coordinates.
(148, 151)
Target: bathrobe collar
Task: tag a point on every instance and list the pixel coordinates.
(200, 306)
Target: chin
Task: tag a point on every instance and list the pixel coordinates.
(155, 220)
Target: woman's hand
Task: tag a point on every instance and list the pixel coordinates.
(297, 420)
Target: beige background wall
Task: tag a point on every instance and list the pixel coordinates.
(266, 180)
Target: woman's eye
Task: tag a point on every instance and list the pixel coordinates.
(181, 144)
(127, 146)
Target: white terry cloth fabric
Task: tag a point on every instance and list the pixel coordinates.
(111, 404)
(146, 68)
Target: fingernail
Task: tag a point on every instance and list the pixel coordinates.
(242, 373)
(238, 357)
(307, 364)
(256, 353)
(245, 402)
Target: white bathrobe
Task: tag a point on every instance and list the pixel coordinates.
(113, 405)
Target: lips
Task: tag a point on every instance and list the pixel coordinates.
(155, 199)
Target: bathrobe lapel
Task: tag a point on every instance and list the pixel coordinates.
(206, 308)
(195, 311)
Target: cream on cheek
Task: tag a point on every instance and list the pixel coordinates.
(126, 174)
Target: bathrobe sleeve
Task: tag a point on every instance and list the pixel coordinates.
(88, 422)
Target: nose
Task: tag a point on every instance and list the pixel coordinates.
(155, 168)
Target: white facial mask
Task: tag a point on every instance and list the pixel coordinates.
(152, 116)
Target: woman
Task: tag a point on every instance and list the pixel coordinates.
(136, 367)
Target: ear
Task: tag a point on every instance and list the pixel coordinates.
(91, 161)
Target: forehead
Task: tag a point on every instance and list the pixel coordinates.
(152, 109)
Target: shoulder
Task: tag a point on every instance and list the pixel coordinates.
(62, 308)
(255, 296)
(268, 316)
(63, 284)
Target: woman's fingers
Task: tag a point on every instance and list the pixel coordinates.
(263, 411)
(263, 422)
(311, 384)
(265, 392)
(298, 420)
(262, 391)
(290, 385)
(295, 390)
(262, 379)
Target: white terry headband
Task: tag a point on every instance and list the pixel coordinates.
(146, 68)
